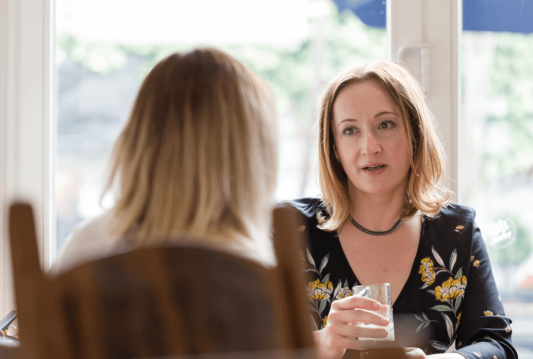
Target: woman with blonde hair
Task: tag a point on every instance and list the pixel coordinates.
(385, 216)
(197, 159)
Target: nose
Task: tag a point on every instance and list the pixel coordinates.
(370, 145)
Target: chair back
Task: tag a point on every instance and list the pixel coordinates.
(161, 302)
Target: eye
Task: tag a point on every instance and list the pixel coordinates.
(349, 131)
(386, 125)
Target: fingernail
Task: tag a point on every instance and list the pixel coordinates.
(377, 305)
(384, 320)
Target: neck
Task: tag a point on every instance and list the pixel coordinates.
(377, 212)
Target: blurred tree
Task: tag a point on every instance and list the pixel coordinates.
(511, 82)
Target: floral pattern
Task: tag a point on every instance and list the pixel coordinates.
(450, 291)
(435, 291)
(344, 293)
(318, 291)
(427, 271)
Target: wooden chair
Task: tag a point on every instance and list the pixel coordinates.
(166, 301)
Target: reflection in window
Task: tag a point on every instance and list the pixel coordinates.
(296, 45)
(497, 151)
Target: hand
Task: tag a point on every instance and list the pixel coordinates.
(415, 353)
(344, 327)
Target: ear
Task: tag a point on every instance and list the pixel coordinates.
(336, 153)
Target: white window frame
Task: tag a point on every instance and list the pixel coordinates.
(27, 129)
(439, 24)
(26, 126)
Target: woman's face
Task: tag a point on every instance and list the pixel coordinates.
(370, 139)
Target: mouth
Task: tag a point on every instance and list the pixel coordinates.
(373, 168)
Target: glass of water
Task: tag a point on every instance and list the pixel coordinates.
(381, 293)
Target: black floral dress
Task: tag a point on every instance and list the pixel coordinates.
(449, 295)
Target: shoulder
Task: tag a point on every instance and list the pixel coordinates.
(90, 240)
(454, 210)
(453, 213)
(307, 206)
(453, 227)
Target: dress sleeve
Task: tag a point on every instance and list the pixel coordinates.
(484, 330)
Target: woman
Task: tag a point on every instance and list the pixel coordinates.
(197, 157)
(384, 217)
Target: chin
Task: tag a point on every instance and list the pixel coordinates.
(377, 189)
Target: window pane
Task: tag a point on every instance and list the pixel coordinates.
(104, 52)
(497, 149)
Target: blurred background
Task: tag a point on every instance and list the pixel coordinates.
(297, 46)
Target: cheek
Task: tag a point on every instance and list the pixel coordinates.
(346, 154)
(400, 151)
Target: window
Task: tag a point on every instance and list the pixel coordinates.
(497, 148)
(297, 46)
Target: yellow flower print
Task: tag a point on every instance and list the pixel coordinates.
(344, 293)
(459, 228)
(451, 289)
(325, 320)
(508, 329)
(427, 271)
(319, 291)
(476, 263)
(488, 312)
(301, 228)
(459, 318)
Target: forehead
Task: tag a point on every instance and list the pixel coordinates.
(362, 100)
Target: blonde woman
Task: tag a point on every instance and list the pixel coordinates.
(385, 217)
(197, 159)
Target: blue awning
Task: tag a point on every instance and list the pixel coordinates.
(478, 15)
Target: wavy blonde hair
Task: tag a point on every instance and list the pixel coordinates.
(198, 154)
(425, 189)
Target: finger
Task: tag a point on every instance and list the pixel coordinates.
(362, 316)
(357, 303)
(355, 344)
(361, 331)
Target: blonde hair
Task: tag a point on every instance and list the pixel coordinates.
(425, 189)
(198, 153)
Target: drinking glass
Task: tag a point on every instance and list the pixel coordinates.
(381, 293)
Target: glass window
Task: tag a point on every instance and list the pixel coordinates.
(497, 148)
(105, 48)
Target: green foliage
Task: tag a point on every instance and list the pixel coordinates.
(511, 80)
(518, 251)
(290, 70)
(95, 57)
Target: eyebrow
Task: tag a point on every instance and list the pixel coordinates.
(379, 114)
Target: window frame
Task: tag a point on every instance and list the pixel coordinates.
(26, 127)
(27, 117)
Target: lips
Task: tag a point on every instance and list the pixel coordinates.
(374, 167)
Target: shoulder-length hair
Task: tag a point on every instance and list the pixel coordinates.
(198, 155)
(425, 189)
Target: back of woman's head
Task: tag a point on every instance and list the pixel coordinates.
(199, 152)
